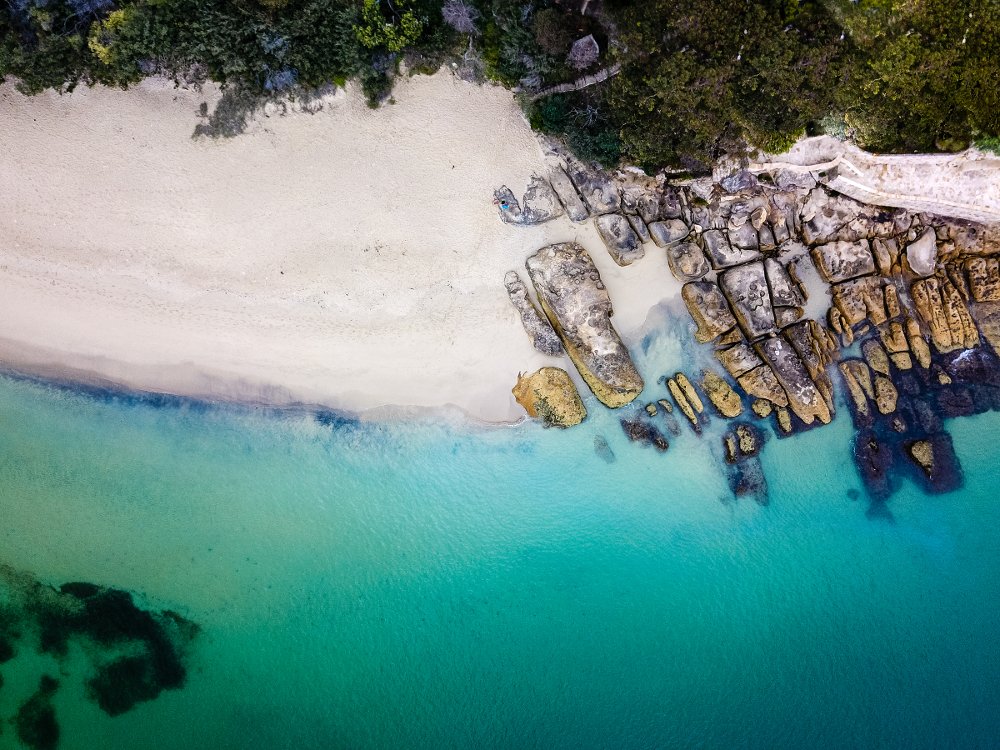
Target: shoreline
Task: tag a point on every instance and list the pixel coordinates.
(341, 257)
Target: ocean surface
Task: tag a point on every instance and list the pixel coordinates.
(435, 584)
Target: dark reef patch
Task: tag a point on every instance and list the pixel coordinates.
(35, 721)
(136, 654)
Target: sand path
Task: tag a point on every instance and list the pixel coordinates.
(350, 257)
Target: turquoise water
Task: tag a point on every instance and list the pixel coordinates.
(435, 585)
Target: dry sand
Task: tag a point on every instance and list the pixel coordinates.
(348, 257)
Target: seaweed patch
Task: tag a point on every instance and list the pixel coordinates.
(134, 654)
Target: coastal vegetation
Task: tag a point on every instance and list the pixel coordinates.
(698, 78)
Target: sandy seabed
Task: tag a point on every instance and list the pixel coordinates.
(347, 257)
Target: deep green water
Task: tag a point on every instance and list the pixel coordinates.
(435, 585)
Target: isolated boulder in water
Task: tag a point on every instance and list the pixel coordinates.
(543, 336)
(574, 299)
(622, 241)
(549, 394)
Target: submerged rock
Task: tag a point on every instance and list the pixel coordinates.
(550, 395)
(709, 310)
(619, 237)
(936, 458)
(574, 299)
(540, 331)
(642, 432)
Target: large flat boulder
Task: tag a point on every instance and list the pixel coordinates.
(984, 279)
(840, 261)
(709, 309)
(921, 254)
(576, 302)
(803, 396)
(596, 189)
(746, 289)
(538, 205)
(722, 254)
(619, 237)
(738, 360)
(667, 233)
(687, 262)
(540, 331)
(784, 291)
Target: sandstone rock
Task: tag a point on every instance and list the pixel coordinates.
(836, 323)
(744, 238)
(840, 261)
(746, 289)
(595, 187)
(784, 420)
(827, 217)
(964, 333)
(917, 344)
(709, 310)
(687, 261)
(666, 233)
(682, 402)
(936, 456)
(854, 389)
(731, 448)
(892, 308)
(926, 296)
(779, 230)
(883, 258)
(944, 378)
(568, 196)
(984, 279)
(550, 395)
(786, 316)
(574, 299)
(543, 336)
(739, 359)
(639, 227)
(902, 360)
(761, 383)
(766, 238)
(922, 254)
(893, 337)
(858, 299)
(784, 291)
(875, 357)
(621, 240)
(803, 396)
(749, 440)
(689, 392)
(722, 254)
(721, 394)
(761, 407)
(651, 410)
(922, 452)
(667, 407)
(862, 375)
(539, 204)
(885, 395)
(735, 336)
(957, 277)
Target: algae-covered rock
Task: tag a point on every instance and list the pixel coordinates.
(761, 407)
(574, 299)
(721, 394)
(885, 395)
(875, 356)
(549, 394)
(540, 331)
(784, 419)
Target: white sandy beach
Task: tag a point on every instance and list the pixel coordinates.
(350, 258)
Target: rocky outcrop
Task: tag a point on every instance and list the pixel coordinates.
(574, 299)
(689, 392)
(687, 262)
(784, 291)
(709, 310)
(619, 237)
(595, 187)
(746, 289)
(682, 403)
(543, 336)
(539, 204)
(722, 254)
(984, 279)
(942, 309)
(549, 394)
(761, 383)
(739, 359)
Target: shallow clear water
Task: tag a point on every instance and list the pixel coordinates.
(430, 584)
